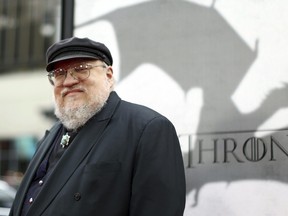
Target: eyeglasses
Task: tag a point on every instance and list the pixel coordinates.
(79, 72)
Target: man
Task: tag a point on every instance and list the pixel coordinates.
(105, 156)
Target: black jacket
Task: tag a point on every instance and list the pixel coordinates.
(126, 161)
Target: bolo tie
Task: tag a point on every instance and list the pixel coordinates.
(66, 138)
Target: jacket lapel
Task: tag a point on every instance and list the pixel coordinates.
(88, 137)
(44, 145)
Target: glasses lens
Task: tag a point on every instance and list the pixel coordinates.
(50, 78)
(57, 76)
(78, 72)
(81, 72)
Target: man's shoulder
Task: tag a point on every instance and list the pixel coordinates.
(127, 110)
(138, 108)
(138, 111)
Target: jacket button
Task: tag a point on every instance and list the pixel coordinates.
(31, 200)
(77, 196)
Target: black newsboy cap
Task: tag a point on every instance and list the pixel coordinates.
(77, 48)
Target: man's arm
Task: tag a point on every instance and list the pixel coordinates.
(159, 180)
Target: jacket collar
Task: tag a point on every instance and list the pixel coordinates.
(44, 145)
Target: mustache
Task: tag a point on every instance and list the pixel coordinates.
(66, 91)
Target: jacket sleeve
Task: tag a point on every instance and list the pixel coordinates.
(159, 181)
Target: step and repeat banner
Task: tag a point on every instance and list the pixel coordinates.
(218, 70)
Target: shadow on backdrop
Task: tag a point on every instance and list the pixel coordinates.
(197, 47)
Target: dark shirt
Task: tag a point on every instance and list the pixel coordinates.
(45, 169)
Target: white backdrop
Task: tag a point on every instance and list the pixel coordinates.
(255, 21)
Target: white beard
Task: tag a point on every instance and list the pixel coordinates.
(73, 118)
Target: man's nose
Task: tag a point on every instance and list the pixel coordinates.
(69, 79)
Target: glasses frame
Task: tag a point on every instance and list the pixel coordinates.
(72, 70)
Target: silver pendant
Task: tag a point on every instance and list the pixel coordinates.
(65, 140)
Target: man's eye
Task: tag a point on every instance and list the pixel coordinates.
(59, 73)
(81, 68)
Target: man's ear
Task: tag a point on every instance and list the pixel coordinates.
(109, 72)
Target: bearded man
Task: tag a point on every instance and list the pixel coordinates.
(105, 156)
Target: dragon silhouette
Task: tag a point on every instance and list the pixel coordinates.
(197, 47)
